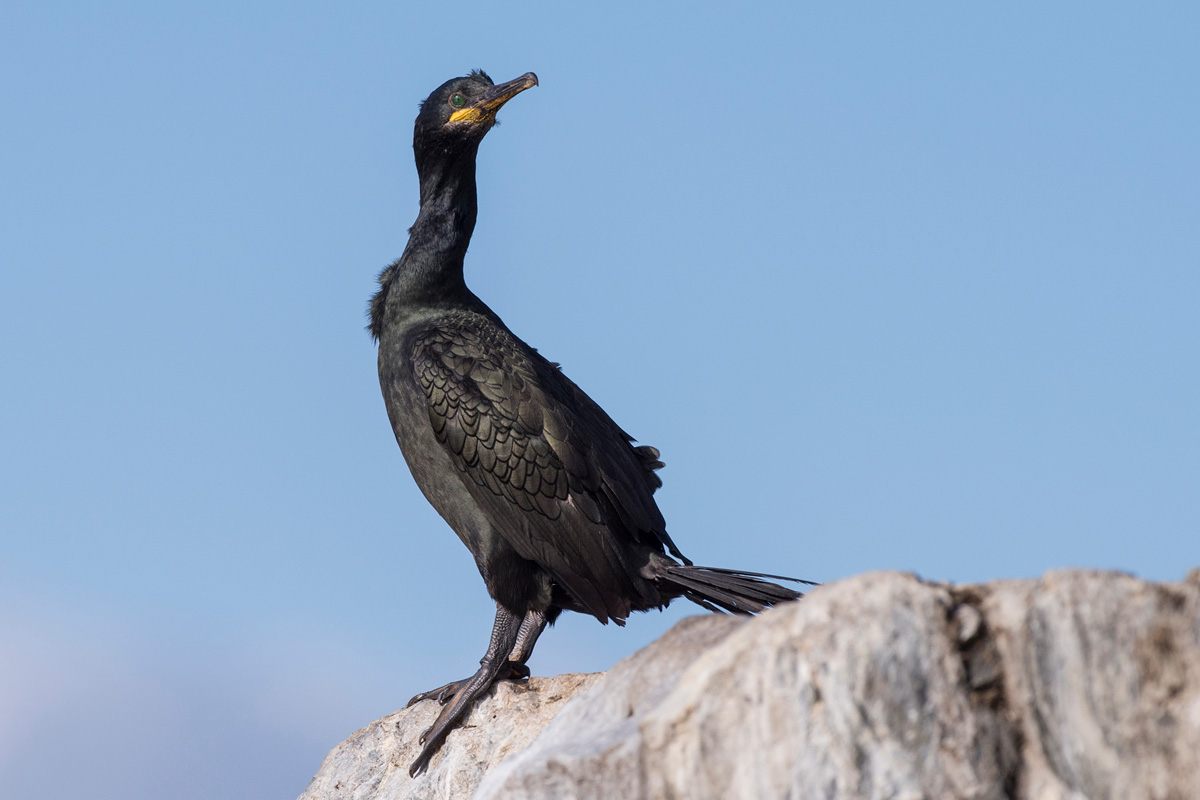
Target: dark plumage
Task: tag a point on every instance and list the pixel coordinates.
(549, 494)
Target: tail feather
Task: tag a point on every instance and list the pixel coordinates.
(708, 592)
(724, 571)
(731, 590)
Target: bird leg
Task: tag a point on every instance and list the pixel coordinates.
(505, 635)
(531, 628)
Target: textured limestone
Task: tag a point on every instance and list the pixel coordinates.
(856, 692)
(1079, 685)
(1105, 673)
(373, 762)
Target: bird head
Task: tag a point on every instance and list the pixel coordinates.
(462, 110)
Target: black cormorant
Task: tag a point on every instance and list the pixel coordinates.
(547, 492)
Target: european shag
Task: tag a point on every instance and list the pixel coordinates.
(550, 495)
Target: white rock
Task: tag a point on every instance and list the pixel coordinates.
(1080, 685)
(373, 763)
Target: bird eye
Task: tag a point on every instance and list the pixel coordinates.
(457, 100)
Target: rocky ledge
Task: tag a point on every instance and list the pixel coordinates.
(1078, 685)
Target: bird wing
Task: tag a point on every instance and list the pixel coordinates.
(559, 480)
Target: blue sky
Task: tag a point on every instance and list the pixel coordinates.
(892, 288)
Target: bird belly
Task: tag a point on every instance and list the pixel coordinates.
(515, 582)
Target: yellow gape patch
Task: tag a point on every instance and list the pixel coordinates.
(471, 114)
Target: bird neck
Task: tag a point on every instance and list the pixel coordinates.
(431, 268)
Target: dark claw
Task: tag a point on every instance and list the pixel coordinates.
(420, 764)
(442, 694)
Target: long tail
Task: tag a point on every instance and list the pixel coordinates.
(730, 589)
